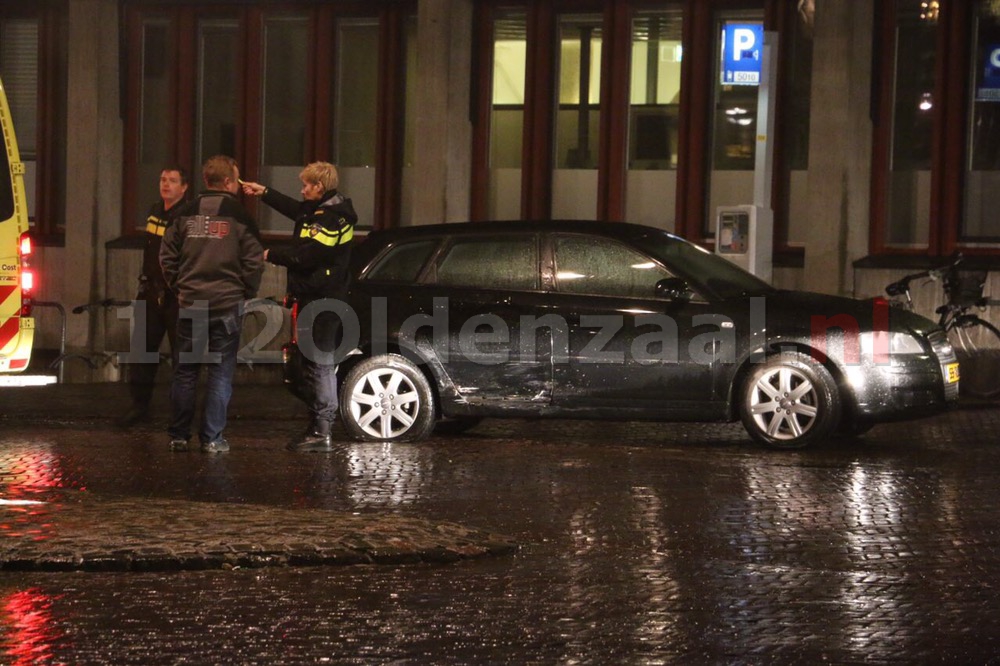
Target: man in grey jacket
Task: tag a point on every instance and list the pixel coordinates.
(212, 259)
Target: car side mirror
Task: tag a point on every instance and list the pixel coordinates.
(673, 289)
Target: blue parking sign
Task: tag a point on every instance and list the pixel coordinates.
(742, 51)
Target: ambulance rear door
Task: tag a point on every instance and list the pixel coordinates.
(17, 327)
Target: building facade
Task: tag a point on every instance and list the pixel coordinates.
(452, 110)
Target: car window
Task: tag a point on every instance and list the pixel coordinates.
(590, 265)
(706, 273)
(495, 263)
(403, 262)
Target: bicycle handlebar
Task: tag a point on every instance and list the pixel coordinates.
(902, 285)
(105, 303)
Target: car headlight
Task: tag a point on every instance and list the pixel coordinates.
(875, 344)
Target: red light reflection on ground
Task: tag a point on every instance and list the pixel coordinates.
(28, 471)
(30, 632)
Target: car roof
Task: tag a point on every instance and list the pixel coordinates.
(375, 241)
(619, 230)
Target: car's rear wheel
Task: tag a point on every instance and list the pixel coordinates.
(387, 398)
(789, 401)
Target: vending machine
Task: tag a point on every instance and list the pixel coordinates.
(743, 236)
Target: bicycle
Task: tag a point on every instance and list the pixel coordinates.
(976, 341)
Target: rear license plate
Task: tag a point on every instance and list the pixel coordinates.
(951, 373)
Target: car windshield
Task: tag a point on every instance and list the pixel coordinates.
(706, 273)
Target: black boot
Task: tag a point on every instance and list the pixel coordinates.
(316, 438)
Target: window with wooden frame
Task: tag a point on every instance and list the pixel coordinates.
(936, 163)
(276, 85)
(33, 65)
(598, 109)
(718, 152)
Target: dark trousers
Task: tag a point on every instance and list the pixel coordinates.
(153, 318)
(317, 385)
(212, 342)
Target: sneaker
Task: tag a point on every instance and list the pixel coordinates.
(312, 441)
(216, 446)
(137, 414)
(178, 444)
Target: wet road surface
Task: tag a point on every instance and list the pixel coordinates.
(640, 543)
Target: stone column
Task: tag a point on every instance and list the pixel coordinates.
(93, 162)
(443, 142)
(840, 145)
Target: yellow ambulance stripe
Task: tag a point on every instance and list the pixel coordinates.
(9, 328)
(7, 291)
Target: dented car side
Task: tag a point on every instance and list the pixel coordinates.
(616, 321)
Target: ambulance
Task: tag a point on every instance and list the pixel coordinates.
(17, 279)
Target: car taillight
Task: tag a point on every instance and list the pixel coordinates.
(27, 275)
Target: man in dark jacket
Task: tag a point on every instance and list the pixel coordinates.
(317, 261)
(155, 305)
(212, 259)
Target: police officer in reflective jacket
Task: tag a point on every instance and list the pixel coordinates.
(317, 264)
(155, 305)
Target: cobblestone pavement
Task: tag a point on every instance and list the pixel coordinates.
(639, 543)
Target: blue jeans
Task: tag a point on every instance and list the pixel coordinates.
(210, 341)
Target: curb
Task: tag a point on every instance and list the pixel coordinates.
(91, 534)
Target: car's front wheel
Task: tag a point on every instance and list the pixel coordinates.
(789, 401)
(387, 398)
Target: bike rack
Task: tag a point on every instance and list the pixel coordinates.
(62, 333)
(255, 355)
(86, 357)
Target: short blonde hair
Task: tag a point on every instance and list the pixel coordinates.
(216, 169)
(323, 173)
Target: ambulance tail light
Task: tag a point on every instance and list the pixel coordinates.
(27, 275)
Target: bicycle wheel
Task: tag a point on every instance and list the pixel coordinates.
(977, 346)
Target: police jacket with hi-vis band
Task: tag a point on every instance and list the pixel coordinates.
(152, 284)
(318, 256)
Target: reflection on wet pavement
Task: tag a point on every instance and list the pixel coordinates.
(645, 544)
(387, 474)
(29, 626)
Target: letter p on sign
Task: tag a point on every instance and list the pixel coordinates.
(743, 41)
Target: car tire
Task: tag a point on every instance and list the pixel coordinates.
(790, 401)
(387, 399)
